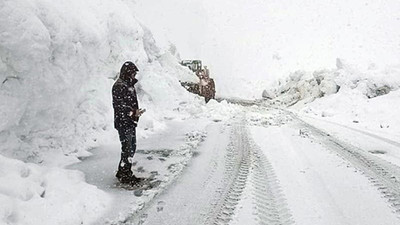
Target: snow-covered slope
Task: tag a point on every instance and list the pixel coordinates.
(57, 64)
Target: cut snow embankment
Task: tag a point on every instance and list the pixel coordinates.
(365, 100)
(57, 64)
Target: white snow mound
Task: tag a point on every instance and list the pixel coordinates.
(302, 87)
(366, 100)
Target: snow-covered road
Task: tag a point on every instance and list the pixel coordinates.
(265, 166)
(326, 180)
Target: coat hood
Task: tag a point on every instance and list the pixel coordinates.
(126, 71)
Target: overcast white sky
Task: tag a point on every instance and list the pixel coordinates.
(263, 39)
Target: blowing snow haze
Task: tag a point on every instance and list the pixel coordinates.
(259, 40)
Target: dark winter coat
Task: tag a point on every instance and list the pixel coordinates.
(125, 103)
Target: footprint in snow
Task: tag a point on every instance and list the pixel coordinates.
(160, 206)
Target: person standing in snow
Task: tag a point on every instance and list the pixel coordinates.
(126, 117)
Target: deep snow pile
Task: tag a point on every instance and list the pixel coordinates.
(57, 64)
(367, 99)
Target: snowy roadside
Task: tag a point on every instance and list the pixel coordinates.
(369, 124)
(358, 106)
(382, 145)
(377, 115)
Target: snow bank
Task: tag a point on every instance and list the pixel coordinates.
(58, 61)
(367, 99)
(303, 87)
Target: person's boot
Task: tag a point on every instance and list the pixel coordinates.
(137, 181)
(124, 178)
(118, 175)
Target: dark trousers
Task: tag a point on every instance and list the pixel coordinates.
(128, 147)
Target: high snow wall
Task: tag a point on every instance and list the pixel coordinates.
(57, 61)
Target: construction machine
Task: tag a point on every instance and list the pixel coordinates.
(205, 87)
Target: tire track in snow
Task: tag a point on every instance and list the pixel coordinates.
(270, 201)
(382, 174)
(394, 143)
(247, 166)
